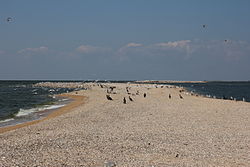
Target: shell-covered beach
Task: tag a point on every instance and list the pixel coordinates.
(162, 126)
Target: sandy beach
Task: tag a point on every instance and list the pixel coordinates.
(149, 131)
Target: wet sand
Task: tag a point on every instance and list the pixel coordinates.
(151, 131)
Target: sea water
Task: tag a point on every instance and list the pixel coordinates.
(21, 101)
(239, 91)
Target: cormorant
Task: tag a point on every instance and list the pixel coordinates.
(124, 100)
(108, 97)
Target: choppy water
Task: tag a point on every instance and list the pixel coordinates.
(20, 100)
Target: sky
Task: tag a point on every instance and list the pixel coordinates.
(125, 40)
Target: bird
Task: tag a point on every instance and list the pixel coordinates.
(180, 96)
(8, 19)
(169, 96)
(225, 40)
(144, 95)
(124, 100)
(130, 98)
(108, 97)
(204, 25)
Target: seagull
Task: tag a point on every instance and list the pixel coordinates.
(108, 97)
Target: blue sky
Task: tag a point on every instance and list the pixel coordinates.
(132, 39)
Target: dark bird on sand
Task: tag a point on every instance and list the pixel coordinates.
(144, 94)
(169, 96)
(124, 100)
(180, 96)
(108, 97)
(130, 98)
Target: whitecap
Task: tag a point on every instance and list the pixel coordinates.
(6, 120)
(24, 112)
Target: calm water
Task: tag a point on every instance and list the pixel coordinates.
(237, 90)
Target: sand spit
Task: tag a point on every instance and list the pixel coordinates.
(157, 130)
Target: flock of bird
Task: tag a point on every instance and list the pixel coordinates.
(110, 90)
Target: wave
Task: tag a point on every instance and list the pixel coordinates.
(24, 112)
(6, 120)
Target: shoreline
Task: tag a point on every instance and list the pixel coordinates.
(76, 101)
(143, 125)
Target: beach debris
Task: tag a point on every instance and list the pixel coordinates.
(108, 97)
(130, 98)
(144, 95)
(124, 100)
(137, 92)
(169, 96)
(177, 155)
(109, 164)
(180, 96)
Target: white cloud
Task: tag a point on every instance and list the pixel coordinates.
(41, 49)
(133, 44)
(88, 49)
(129, 47)
(175, 44)
(227, 50)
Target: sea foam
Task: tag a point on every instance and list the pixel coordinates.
(24, 112)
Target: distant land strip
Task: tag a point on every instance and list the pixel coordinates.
(169, 81)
